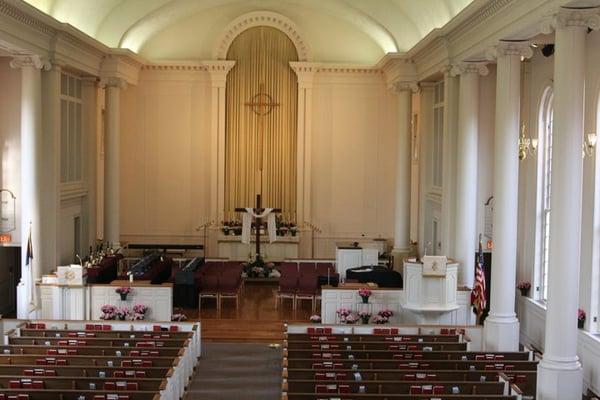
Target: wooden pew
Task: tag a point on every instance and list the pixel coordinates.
(356, 396)
(396, 375)
(362, 365)
(25, 332)
(406, 354)
(307, 337)
(526, 381)
(36, 360)
(110, 342)
(81, 383)
(399, 387)
(383, 346)
(85, 371)
(92, 350)
(29, 394)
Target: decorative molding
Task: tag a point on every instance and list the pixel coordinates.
(21, 16)
(31, 61)
(218, 71)
(401, 86)
(477, 67)
(578, 17)
(349, 69)
(174, 67)
(261, 18)
(505, 48)
(112, 81)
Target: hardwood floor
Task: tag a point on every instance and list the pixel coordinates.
(257, 319)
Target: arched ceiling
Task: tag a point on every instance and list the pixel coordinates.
(348, 31)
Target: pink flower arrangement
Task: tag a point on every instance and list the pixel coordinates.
(343, 312)
(379, 320)
(315, 318)
(364, 314)
(108, 312)
(386, 313)
(123, 290)
(122, 313)
(524, 285)
(365, 292)
(140, 309)
(581, 315)
(350, 319)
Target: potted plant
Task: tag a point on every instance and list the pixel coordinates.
(225, 227)
(139, 312)
(386, 313)
(293, 228)
(365, 294)
(351, 319)
(108, 312)
(580, 318)
(524, 287)
(122, 313)
(343, 314)
(123, 292)
(315, 319)
(379, 320)
(364, 316)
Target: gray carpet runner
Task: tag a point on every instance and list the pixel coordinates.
(234, 371)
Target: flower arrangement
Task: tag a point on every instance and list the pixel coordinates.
(178, 317)
(380, 320)
(315, 319)
(364, 316)
(286, 227)
(123, 290)
(232, 227)
(258, 268)
(581, 315)
(365, 294)
(524, 285)
(108, 312)
(351, 319)
(122, 313)
(139, 312)
(343, 312)
(386, 313)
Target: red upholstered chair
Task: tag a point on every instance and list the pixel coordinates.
(229, 286)
(209, 287)
(288, 284)
(307, 288)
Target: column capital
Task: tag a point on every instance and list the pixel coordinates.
(218, 71)
(578, 17)
(468, 67)
(113, 81)
(305, 72)
(34, 61)
(504, 48)
(402, 86)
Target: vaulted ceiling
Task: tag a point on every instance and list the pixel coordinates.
(346, 31)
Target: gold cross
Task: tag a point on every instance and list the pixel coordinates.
(261, 103)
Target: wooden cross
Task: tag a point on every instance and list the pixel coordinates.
(258, 210)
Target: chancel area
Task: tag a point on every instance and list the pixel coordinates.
(299, 200)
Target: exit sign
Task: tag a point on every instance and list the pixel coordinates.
(5, 238)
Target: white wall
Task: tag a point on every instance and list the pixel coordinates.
(165, 157)
(10, 137)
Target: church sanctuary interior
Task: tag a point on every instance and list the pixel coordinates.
(299, 199)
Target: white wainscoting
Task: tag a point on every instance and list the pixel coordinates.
(532, 318)
(334, 298)
(158, 298)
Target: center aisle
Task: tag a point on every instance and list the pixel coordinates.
(231, 371)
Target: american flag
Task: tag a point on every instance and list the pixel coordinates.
(29, 255)
(478, 294)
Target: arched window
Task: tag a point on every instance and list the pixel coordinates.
(545, 116)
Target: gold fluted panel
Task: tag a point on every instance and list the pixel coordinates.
(262, 56)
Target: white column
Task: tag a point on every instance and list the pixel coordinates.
(112, 203)
(32, 184)
(90, 145)
(403, 171)
(466, 169)
(305, 73)
(218, 71)
(449, 162)
(559, 373)
(501, 332)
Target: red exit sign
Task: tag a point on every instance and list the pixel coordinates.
(5, 238)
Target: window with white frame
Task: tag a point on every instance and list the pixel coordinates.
(545, 184)
(438, 134)
(70, 128)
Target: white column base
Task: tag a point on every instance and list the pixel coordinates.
(399, 255)
(559, 380)
(501, 333)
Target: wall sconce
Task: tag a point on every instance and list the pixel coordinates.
(589, 144)
(526, 145)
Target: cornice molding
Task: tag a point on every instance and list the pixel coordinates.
(174, 67)
(478, 67)
(34, 61)
(19, 15)
(113, 81)
(566, 17)
(403, 86)
(261, 18)
(505, 48)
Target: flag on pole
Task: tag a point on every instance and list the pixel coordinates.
(29, 255)
(478, 294)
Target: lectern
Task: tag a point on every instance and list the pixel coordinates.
(430, 288)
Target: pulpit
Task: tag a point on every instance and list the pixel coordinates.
(430, 287)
